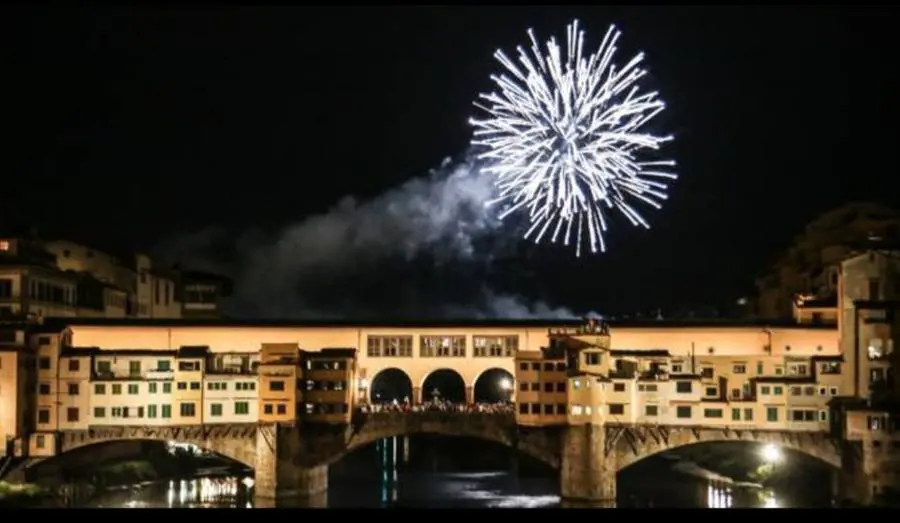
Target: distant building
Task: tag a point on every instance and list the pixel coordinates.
(203, 294)
(803, 283)
(61, 278)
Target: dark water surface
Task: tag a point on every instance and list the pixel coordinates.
(435, 472)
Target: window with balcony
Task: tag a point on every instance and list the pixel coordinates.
(684, 387)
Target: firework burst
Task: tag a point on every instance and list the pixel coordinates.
(566, 140)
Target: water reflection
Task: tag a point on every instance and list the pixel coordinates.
(719, 497)
(205, 492)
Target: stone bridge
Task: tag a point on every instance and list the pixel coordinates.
(293, 461)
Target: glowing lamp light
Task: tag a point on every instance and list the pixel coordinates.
(771, 454)
(506, 384)
(363, 383)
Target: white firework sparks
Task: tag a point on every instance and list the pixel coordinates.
(565, 139)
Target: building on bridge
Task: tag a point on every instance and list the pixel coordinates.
(247, 389)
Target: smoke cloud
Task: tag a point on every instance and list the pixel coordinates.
(424, 249)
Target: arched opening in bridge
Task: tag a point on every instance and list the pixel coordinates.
(444, 385)
(389, 385)
(439, 471)
(726, 474)
(182, 474)
(494, 386)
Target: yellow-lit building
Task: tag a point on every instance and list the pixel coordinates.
(279, 380)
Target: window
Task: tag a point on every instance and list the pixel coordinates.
(683, 411)
(182, 385)
(44, 416)
(577, 410)
(215, 409)
(151, 411)
(389, 346)
(72, 414)
(523, 408)
(241, 408)
(683, 387)
(495, 346)
(167, 388)
(560, 408)
(134, 368)
(104, 367)
(651, 410)
(616, 409)
(74, 365)
(561, 386)
(99, 388)
(760, 368)
(748, 414)
(267, 408)
(99, 412)
(133, 389)
(151, 387)
(803, 415)
(619, 387)
(735, 414)
(195, 385)
(739, 369)
(523, 366)
(276, 385)
(592, 358)
(73, 389)
(163, 365)
(116, 388)
(44, 389)
(442, 346)
(707, 373)
(188, 410)
(777, 391)
(712, 413)
(282, 409)
(44, 363)
(772, 414)
(166, 411)
(712, 391)
(40, 441)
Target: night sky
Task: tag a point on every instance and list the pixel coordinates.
(180, 128)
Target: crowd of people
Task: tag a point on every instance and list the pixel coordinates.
(437, 405)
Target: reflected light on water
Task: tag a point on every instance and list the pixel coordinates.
(718, 497)
(770, 502)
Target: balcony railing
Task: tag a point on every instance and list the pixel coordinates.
(233, 370)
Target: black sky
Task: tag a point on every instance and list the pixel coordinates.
(149, 122)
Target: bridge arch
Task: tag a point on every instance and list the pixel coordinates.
(390, 384)
(542, 445)
(444, 383)
(237, 443)
(494, 385)
(634, 444)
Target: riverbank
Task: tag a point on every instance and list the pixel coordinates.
(14, 495)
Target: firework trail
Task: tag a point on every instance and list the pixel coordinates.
(565, 140)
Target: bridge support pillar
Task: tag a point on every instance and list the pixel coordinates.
(587, 472)
(278, 476)
(470, 395)
(417, 396)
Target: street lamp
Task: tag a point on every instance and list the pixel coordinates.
(771, 454)
(506, 386)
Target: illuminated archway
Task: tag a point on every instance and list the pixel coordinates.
(494, 386)
(444, 384)
(390, 384)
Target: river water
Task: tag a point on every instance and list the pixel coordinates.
(433, 472)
